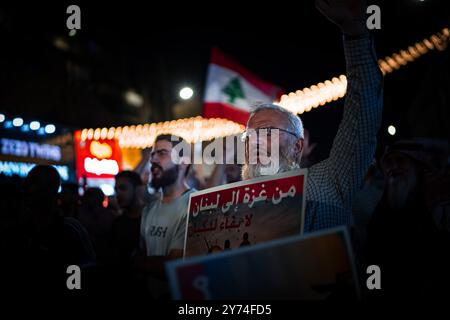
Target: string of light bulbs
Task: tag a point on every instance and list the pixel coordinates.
(330, 90)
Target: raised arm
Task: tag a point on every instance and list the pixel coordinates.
(354, 145)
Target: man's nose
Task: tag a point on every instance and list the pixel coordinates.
(154, 162)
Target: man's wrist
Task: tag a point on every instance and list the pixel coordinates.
(356, 30)
(356, 36)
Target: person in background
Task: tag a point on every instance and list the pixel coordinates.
(163, 222)
(53, 242)
(69, 199)
(403, 238)
(364, 204)
(98, 222)
(126, 228)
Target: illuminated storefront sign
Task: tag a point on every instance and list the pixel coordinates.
(27, 149)
(97, 159)
(98, 167)
(21, 169)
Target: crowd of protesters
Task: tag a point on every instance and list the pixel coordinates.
(400, 223)
(397, 208)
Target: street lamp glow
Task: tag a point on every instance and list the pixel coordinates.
(134, 99)
(35, 125)
(17, 122)
(2, 117)
(391, 130)
(50, 128)
(186, 93)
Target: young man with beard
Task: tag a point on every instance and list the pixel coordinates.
(163, 222)
(332, 183)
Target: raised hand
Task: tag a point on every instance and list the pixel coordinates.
(348, 15)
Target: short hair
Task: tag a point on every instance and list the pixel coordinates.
(93, 198)
(133, 177)
(175, 140)
(45, 178)
(294, 120)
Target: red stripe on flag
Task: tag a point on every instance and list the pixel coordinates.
(221, 59)
(224, 111)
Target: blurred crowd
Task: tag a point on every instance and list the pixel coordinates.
(401, 223)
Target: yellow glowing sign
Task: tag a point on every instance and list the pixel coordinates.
(100, 150)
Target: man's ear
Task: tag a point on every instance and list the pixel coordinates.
(185, 163)
(299, 148)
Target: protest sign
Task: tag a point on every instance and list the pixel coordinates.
(313, 266)
(245, 213)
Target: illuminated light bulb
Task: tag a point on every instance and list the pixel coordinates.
(292, 95)
(103, 133)
(441, 45)
(315, 103)
(386, 67)
(399, 59)
(413, 52)
(322, 87)
(96, 134)
(90, 134)
(435, 39)
(391, 130)
(391, 63)
(421, 48)
(110, 134)
(118, 133)
(428, 44)
(35, 125)
(17, 122)
(83, 134)
(186, 93)
(406, 55)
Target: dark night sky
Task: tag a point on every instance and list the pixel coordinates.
(157, 49)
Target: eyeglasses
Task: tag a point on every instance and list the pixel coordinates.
(268, 132)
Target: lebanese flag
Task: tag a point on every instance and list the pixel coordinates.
(231, 90)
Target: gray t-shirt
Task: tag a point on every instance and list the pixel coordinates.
(163, 225)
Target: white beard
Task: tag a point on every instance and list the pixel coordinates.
(250, 171)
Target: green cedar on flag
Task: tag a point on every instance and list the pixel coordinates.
(231, 90)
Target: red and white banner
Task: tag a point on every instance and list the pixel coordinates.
(245, 213)
(231, 90)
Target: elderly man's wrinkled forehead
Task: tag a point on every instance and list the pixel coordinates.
(269, 118)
